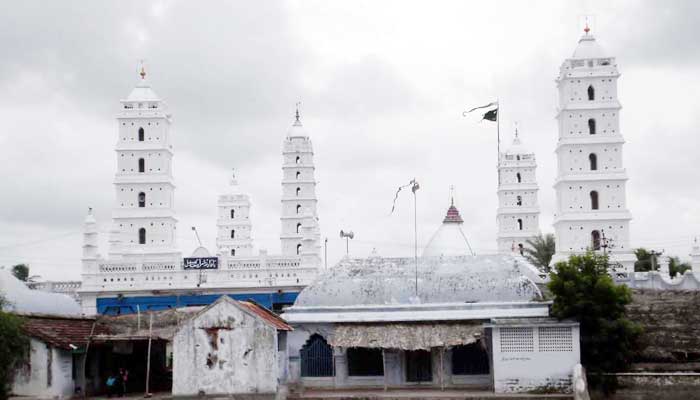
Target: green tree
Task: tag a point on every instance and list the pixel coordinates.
(539, 251)
(585, 292)
(646, 260)
(21, 272)
(14, 348)
(675, 266)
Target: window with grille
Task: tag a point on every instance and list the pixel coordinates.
(517, 340)
(555, 338)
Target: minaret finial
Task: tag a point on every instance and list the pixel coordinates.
(452, 195)
(586, 29)
(89, 210)
(143, 71)
(233, 180)
(516, 129)
(297, 113)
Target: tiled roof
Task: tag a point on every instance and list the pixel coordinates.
(61, 332)
(267, 315)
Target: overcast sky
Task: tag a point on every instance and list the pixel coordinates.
(382, 84)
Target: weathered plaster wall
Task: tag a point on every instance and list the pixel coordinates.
(526, 367)
(48, 375)
(670, 324)
(225, 350)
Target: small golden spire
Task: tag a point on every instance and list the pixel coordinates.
(143, 72)
(586, 29)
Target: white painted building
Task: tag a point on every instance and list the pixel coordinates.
(518, 208)
(144, 269)
(590, 185)
(229, 348)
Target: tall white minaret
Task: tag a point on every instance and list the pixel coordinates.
(144, 217)
(518, 209)
(590, 186)
(298, 187)
(234, 227)
(90, 245)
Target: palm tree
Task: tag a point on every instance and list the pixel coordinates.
(539, 251)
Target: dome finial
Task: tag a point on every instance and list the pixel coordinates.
(298, 121)
(587, 29)
(452, 195)
(516, 129)
(143, 71)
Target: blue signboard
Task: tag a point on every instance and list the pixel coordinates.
(201, 263)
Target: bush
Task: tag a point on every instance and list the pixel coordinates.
(584, 291)
(14, 348)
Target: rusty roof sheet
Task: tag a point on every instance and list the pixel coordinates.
(267, 315)
(61, 332)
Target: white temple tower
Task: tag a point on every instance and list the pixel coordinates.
(143, 217)
(298, 187)
(590, 185)
(518, 209)
(90, 243)
(234, 227)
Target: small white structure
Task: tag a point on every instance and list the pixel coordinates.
(234, 227)
(590, 185)
(695, 256)
(518, 209)
(227, 348)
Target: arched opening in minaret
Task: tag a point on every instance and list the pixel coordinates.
(142, 165)
(591, 126)
(299, 249)
(142, 135)
(298, 160)
(142, 199)
(595, 240)
(233, 233)
(298, 191)
(518, 177)
(517, 157)
(142, 236)
(591, 93)
(233, 252)
(521, 249)
(298, 227)
(594, 200)
(519, 200)
(233, 214)
(298, 175)
(520, 224)
(298, 208)
(593, 161)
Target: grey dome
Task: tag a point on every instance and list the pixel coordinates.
(454, 279)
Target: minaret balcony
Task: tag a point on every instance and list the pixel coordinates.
(296, 181)
(515, 186)
(585, 105)
(144, 213)
(143, 177)
(603, 138)
(592, 215)
(517, 210)
(574, 177)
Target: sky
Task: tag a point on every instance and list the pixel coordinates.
(382, 86)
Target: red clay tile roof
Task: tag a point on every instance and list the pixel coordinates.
(61, 332)
(267, 315)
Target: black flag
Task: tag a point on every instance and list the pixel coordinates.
(491, 115)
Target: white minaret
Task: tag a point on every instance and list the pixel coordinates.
(695, 255)
(518, 209)
(590, 185)
(144, 218)
(233, 225)
(90, 245)
(298, 187)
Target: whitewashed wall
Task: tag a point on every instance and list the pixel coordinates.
(224, 350)
(534, 357)
(33, 380)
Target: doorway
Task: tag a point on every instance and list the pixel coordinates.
(419, 366)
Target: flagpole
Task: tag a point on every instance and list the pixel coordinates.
(498, 136)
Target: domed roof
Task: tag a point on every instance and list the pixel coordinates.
(297, 129)
(391, 281)
(587, 48)
(449, 239)
(143, 91)
(517, 147)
